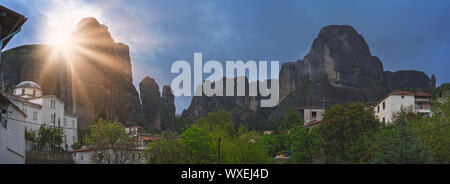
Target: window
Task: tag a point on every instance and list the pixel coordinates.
(52, 103)
(403, 97)
(35, 115)
(384, 105)
(378, 108)
(53, 118)
(23, 91)
(65, 121)
(314, 114)
(384, 120)
(34, 92)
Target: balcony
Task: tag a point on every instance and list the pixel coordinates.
(422, 108)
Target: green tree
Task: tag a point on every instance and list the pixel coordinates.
(200, 145)
(112, 144)
(400, 145)
(242, 149)
(305, 145)
(435, 132)
(342, 126)
(50, 136)
(364, 149)
(291, 119)
(274, 143)
(167, 150)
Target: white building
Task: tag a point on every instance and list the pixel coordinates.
(45, 110)
(134, 130)
(395, 101)
(12, 133)
(88, 155)
(312, 113)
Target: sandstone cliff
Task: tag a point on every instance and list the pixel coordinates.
(158, 111)
(91, 75)
(339, 68)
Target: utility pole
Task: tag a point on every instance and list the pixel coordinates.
(218, 151)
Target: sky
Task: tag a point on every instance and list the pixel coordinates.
(404, 34)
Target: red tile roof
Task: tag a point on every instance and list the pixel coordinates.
(398, 92)
(313, 123)
(422, 94)
(146, 139)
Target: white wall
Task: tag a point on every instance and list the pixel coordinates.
(307, 116)
(44, 117)
(12, 138)
(393, 104)
(28, 92)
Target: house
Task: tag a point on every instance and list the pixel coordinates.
(91, 155)
(143, 141)
(12, 132)
(312, 113)
(45, 110)
(312, 116)
(134, 130)
(313, 124)
(395, 101)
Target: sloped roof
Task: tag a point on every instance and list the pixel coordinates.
(11, 21)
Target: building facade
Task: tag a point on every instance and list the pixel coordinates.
(312, 113)
(12, 133)
(394, 102)
(45, 110)
(88, 155)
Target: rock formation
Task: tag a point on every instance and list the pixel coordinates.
(168, 109)
(158, 111)
(93, 74)
(339, 68)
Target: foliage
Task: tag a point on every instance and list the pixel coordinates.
(30, 136)
(342, 126)
(199, 143)
(274, 143)
(292, 118)
(167, 150)
(76, 146)
(52, 136)
(243, 150)
(305, 145)
(400, 145)
(111, 142)
(435, 132)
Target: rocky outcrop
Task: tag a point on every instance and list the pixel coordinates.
(339, 68)
(168, 109)
(409, 79)
(244, 109)
(92, 75)
(151, 100)
(158, 111)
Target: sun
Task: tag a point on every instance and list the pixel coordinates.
(61, 21)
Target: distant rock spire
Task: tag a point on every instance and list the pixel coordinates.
(433, 81)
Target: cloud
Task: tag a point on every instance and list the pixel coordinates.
(403, 34)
